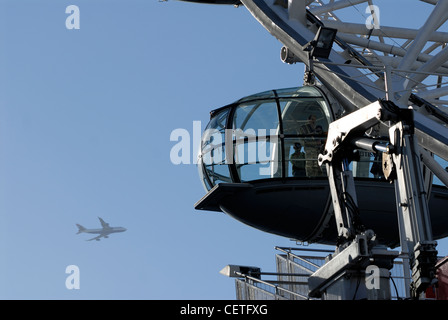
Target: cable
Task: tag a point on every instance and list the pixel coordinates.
(357, 286)
(396, 290)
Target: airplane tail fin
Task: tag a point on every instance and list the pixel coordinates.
(80, 228)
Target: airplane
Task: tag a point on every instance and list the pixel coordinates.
(104, 232)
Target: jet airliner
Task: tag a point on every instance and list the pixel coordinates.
(103, 233)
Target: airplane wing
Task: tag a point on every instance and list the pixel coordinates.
(104, 224)
(97, 238)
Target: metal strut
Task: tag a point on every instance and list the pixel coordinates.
(412, 207)
(402, 166)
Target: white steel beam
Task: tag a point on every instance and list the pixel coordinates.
(395, 61)
(383, 47)
(434, 166)
(297, 10)
(438, 102)
(384, 31)
(430, 66)
(335, 6)
(439, 14)
(435, 93)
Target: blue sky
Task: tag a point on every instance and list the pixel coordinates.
(85, 123)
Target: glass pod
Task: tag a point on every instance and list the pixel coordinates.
(258, 164)
(274, 134)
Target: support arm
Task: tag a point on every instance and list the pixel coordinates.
(406, 173)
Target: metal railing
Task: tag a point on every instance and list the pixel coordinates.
(250, 288)
(291, 278)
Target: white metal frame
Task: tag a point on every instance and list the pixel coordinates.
(406, 73)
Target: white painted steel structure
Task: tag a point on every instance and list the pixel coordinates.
(406, 68)
(358, 72)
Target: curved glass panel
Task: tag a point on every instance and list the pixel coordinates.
(299, 92)
(258, 96)
(273, 134)
(203, 175)
(255, 139)
(258, 159)
(213, 150)
(444, 164)
(301, 157)
(257, 115)
(304, 116)
(307, 119)
(369, 165)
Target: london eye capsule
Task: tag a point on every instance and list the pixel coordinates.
(258, 164)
